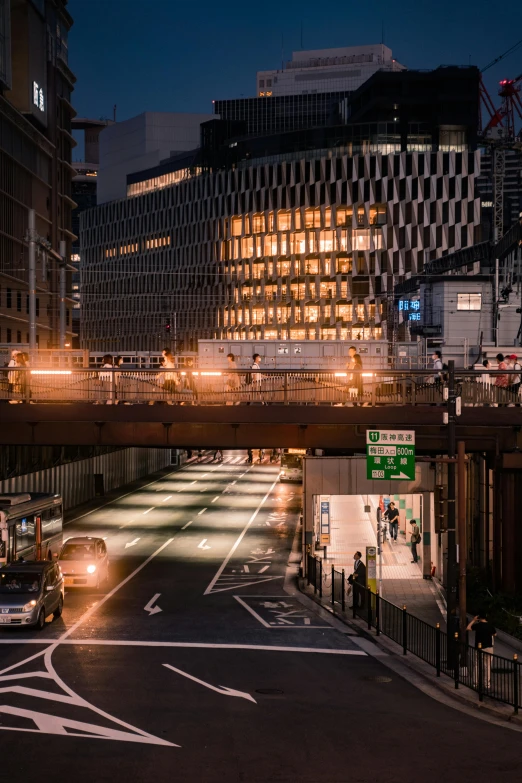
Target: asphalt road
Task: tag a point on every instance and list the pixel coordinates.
(195, 664)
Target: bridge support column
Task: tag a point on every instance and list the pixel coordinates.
(507, 530)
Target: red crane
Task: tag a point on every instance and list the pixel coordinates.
(511, 105)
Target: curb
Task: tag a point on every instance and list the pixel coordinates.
(396, 662)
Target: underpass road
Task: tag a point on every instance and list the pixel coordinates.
(198, 661)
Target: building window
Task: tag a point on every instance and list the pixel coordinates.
(19, 337)
(326, 241)
(271, 245)
(27, 304)
(236, 226)
(312, 313)
(313, 218)
(258, 223)
(344, 265)
(9, 301)
(343, 216)
(283, 268)
(247, 247)
(344, 312)
(19, 302)
(284, 220)
(38, 307)
(469, 301)
(298, 243)
(311, 266)
(378, 214)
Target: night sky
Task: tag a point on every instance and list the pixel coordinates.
(179, 55)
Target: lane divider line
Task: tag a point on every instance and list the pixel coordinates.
(188, 523)
(202, 511)
(149, 509)
(216, 498)
(239, 539)
(165, 499)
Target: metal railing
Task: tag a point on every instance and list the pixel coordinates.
(484, 672)
(285, 387)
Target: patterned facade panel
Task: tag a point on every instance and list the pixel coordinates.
(303, 249)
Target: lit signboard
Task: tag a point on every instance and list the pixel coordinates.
(410, 308)
(38, 97)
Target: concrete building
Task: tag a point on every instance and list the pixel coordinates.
(326, 70)
(35, 160)
(141, 143)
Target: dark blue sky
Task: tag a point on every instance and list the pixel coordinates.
(178, 55)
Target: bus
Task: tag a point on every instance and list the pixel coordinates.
(31, 526)
(292, 465)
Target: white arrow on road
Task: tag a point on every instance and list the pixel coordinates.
(223, 689)
(150, 608)
(401, 476)
(203, 544)
(132, 543)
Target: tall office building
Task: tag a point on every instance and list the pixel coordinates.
(300, 234)
(35, 160)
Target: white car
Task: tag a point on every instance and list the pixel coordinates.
(84, 562)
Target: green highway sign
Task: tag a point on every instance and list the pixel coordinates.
(390, 454)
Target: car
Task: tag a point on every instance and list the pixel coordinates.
(29, 592)
(84, 562)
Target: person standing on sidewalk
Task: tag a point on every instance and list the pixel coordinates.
(415, 539)
(485, 632)
(392, 516)
(358, 580)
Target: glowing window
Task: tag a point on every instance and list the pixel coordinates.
(247, 247)
(236, 226)
(311, 266)
(271, 245)
(313, 218)
(326, 241)
(298, 243)
(343, 265)
(343, 216)
(344, 312)
(258, 223)
(284, 220)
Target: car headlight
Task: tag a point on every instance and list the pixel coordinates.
(29, 606)
(91, 569)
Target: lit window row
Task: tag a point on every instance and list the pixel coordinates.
(297, 219)
(154, 242)
(308, 314)
(301, 243)
(123, 250)
(163, 181)
(312, 265)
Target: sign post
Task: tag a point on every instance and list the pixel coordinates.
(325, 520)
(371, 568)
(390, 454)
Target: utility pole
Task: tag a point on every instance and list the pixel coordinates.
(451, 571)
(63, 278)
(461, 521)
(32, 239)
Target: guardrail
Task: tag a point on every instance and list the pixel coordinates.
(489, 675)
(286, 387)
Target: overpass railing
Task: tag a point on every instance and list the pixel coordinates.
(240, 387)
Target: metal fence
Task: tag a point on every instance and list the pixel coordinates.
(239, 387)
(488, 674)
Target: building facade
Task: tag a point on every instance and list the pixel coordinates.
(326, 70)
(303, 249)
(35, 163)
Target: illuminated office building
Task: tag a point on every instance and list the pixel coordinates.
(296, 235)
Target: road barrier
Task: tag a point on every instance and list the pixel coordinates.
(237, 387)
(484, 672)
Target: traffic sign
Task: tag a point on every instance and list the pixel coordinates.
(390, 454)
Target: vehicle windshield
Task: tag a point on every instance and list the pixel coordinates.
(13, 582)
(77, 552)
(291, 461)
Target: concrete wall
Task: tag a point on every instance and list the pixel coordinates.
(74, 481)
(141, 143)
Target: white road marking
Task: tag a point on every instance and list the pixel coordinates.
(239, 539)
(204, 474)
(223, 689)
(149, 509)
(132, 543)
(203, 544)
(268, 523)
(188, 523)
(150, 608)
(282, 622)
(195, 645)
(216, 498)
(120, 497)
(232, 483)
(126, 523)
(165, 499)
(193, 482)
(265, 568)
(246, 569)
(202, 511)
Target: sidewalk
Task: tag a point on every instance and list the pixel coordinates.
(402, 581)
